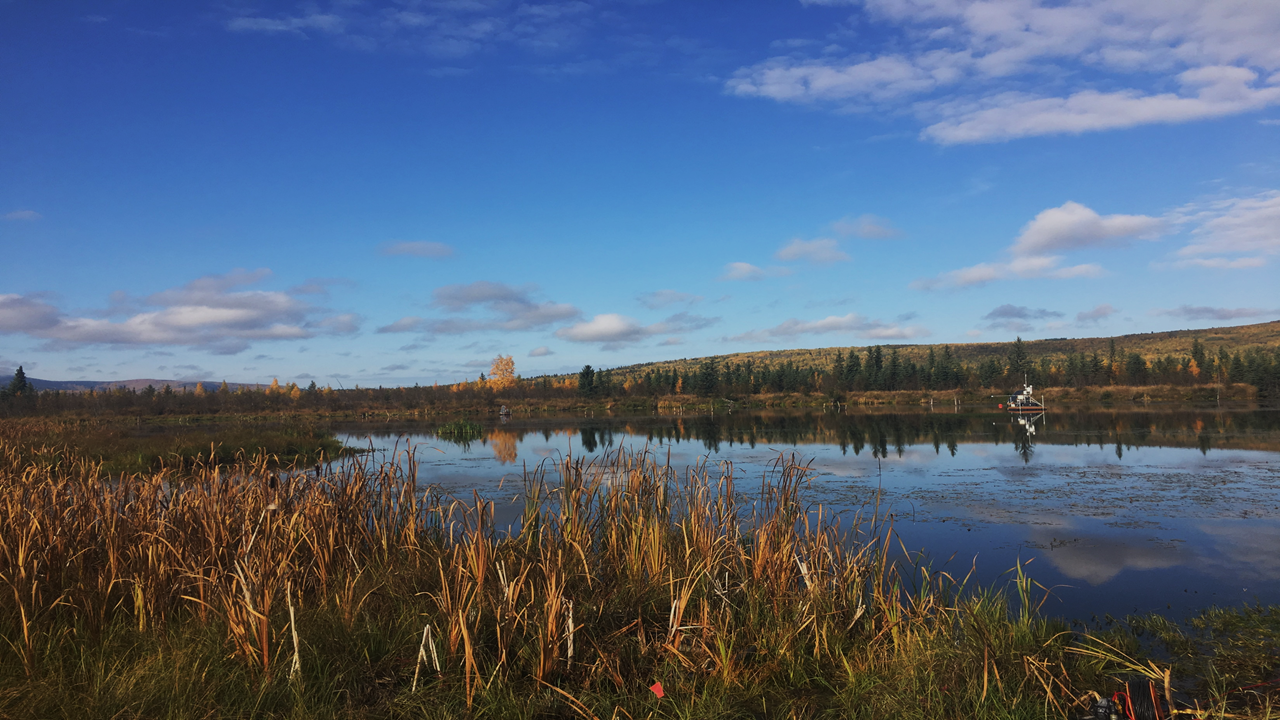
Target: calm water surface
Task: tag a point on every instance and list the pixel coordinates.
(1118, 511)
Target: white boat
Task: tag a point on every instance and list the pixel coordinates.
(1023, 402)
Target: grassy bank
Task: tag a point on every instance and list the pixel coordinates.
(132, 445)
(351, 595)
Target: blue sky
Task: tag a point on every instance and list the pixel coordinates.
(395, 192)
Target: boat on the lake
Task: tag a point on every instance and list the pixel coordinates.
(1023, 402)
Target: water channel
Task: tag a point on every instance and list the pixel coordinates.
(1117, 511)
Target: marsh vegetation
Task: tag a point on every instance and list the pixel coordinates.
(248, 589)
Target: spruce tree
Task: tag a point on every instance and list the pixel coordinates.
(20, 385)
(1019, 363)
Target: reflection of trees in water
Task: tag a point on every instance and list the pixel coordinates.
(503, 443)
(886, 432)
(595, 435)
(1025, 445)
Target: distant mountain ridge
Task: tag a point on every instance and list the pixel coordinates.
(1149, 345)
(135, 384)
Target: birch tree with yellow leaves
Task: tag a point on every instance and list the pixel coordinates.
(502, 374)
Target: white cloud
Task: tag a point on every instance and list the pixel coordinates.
(23, 215)
(866, 226)
(613, 330)
(421, 248)
(541, 351)
(822, 251)
(1071, 226)
(208, 313)
(741, 271)
(606, 328)
(852, 324)
(962, 66)
(747, 271)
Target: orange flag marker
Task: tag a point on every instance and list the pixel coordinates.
(657, 689)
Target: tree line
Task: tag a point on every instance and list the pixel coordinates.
(875, 369)
(879, 369)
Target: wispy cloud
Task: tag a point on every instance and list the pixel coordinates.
(747, 271)
(1208, 92)
(27, 215)
(508, 308)
(541, 351)
(209, 313)
(1201, 312)
(851, 324)
(1020, 312)
(446, 30)
(1231, 233)
(1014, 318)
(1099, 312)
(418, 248)
(822, 251)
(320, 286)
(870, 227)
(659, 299)
(323, 22)
(962, 66)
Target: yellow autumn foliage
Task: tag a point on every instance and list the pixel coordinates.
(502, 373)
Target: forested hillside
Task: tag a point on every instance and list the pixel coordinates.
(1247, 355)
(1151, 346)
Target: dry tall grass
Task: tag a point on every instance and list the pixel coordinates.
(244, 590)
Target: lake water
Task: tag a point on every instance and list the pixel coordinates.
(1118, 511)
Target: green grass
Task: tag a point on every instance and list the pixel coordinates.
(460, 430)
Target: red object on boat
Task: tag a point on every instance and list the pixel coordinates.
(657, 689)
(1001, 406)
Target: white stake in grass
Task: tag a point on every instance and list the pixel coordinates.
(295, 668)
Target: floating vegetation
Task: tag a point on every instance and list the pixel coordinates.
(460, 430)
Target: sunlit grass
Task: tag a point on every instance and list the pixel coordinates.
(178, 593)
